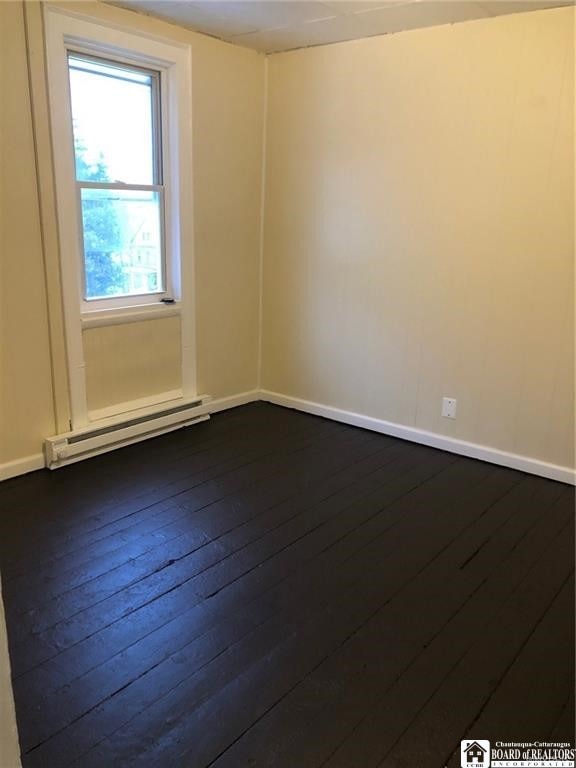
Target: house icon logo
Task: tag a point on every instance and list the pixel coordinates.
(475, 754)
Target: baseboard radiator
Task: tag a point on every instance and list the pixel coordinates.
(124, 429)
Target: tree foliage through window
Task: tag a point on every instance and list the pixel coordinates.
(101, 225)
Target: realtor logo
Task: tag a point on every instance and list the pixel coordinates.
(475, 754)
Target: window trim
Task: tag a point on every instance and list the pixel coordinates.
(82, 33)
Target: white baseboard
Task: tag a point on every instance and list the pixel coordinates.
(22, 466)
(223, 403)
(432, 439)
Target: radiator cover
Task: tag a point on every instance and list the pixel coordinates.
(124, 429)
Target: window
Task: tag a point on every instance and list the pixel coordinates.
(120, 110)
(118, 169)
(121, 119)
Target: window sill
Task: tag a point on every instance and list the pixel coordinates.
(102, 317)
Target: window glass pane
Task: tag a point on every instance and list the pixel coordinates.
(112, 116)
(122, 243)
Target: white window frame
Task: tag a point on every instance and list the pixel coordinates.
(66, 30)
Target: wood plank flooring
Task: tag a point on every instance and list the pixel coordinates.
(270, 588)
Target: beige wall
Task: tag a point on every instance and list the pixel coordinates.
(419, 230)
(228, 93)
(418, 233)
(26, 408)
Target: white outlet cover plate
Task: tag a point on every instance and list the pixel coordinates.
(449, 407)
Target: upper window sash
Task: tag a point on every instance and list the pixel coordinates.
(80, 62)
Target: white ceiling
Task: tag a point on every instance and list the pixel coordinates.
(281, 25)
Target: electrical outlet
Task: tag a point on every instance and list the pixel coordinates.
(449, 407)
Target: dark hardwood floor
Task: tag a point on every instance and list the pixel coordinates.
(274, 589)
